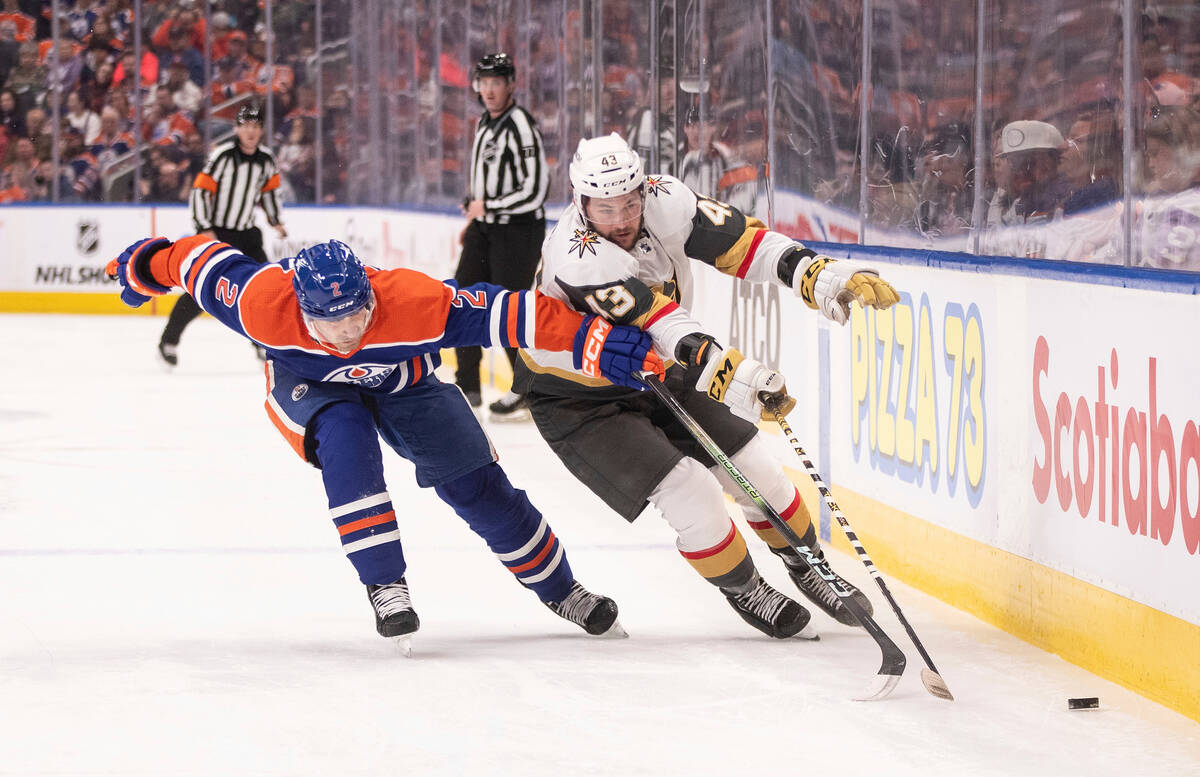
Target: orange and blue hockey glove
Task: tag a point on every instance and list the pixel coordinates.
(616, 353)
(132, 269)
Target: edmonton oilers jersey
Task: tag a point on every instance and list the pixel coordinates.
(415, 316)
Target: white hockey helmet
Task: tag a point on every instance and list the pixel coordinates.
(604, 167)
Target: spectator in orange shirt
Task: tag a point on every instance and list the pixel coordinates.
(164, 123)
(23, 24)
(184, 23)
(226, 86)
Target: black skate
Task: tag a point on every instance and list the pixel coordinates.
(767, 610)
(168, 354)
(394, 614)
(594, 613)
(819, 592)
(510, 407)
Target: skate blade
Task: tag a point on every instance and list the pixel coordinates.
(403, 644)
(808, 633)
(515, 417)
(880, 687)
(615, 631)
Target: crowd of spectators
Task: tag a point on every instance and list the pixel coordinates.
(1053, 73)
(87, 86)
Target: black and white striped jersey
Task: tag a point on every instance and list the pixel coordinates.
(231, 184)
(508, 166)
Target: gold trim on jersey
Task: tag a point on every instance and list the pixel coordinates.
(731, 260)
(660, 301)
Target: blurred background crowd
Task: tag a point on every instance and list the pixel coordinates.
(1063, 129)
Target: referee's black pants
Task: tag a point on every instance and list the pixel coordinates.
(249, 242)
(506, 255)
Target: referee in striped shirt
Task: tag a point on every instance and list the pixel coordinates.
(502, 242)
(238, 175)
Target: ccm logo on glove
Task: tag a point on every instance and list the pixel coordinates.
(595, 344)
(721, 379)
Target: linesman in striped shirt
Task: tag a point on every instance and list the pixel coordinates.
(239, 175)
(502, 242)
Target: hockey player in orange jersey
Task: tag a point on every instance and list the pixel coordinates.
(351, 353)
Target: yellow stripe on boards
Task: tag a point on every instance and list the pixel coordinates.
(1134, 645)
(71, 302)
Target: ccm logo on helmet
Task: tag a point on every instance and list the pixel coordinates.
(594, 346)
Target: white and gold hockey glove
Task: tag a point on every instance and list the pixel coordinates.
(829, 285)
(743, 384)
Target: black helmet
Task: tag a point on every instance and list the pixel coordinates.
(250, 112)
(499, 64)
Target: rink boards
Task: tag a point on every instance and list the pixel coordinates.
(1019, 440)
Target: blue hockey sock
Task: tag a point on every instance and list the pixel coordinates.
(513, 528)
(352, 469)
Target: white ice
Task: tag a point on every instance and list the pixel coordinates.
(174, 602)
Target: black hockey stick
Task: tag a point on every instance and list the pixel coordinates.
(930, 678)
(892, 666)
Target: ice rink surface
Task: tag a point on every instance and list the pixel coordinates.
(175, 602)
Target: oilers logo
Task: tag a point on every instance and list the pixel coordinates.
(299, 392)
(365, 375)
(654, 185)
(584, 240)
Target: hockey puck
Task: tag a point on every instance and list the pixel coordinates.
(1084, 703)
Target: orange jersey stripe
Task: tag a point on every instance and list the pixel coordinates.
(272, 183)
(206, 182)
(556, 324)
(537, 559)
(190, 281)
(293, 439)
(743, 174)
(513, 307)
(366, 523)
(164, 265)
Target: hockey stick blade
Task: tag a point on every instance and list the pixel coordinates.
(892, 660)
(934, 683)
(930, 678)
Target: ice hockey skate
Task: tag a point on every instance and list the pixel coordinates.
(394, 614)
(819, 592)
(509, 408)
(595, 614)
(769, 611)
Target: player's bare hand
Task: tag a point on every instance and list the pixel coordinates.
(281, 231)
(474, 210)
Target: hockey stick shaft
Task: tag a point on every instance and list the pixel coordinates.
(893, 658)
(939, 686)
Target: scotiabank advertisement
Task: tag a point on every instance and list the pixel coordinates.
(1111, 406)
(1057, 421)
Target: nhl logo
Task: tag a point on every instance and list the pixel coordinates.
(87, 237)
(299, 392)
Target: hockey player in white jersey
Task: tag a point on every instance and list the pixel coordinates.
(623, 250)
